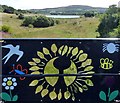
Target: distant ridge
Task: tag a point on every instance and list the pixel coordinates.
(72, 9)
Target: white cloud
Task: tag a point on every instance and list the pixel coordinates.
(38, 4)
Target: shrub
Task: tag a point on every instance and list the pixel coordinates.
(5, 28)
(28, 20)
(42, 21)
(75, 23)
(119, 29)
(57, 22)
(30, 26)
(51, 21)
(21, 16)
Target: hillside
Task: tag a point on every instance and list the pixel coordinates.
(72, 9)
(67, 28)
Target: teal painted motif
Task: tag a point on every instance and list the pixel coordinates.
(108, 97)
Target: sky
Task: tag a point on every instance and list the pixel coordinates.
(40, 4)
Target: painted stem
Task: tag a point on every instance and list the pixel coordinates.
(10, 94)
(108, 92)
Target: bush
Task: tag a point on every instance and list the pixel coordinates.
(30, 26)
(5, 28)
(119, 29)
(57, 22)
(52, 23)
(21, 16)
(75, 23)
(28, 20)
(42, 21)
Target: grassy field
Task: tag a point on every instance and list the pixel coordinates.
(68, 28)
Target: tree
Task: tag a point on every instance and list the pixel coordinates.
(109, 22)
(112, 9)
(8, 9)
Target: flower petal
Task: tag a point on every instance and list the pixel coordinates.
(4, 84)
(14, 79)
(11, 87)
(5, 79)
(14, 84)
(7, 87)
(9, 78)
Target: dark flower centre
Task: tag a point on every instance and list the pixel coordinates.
(62, 63)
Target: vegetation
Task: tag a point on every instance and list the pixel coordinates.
(66, 28)
(43, 21)
(38, 22)
(109, 25)
(89, 14)
(11, 10)
(5, 28)
(21, 16)
(33, 25)
(28, 20)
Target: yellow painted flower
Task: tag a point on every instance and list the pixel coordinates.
(61, 60)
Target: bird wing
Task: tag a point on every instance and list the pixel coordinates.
(7, 46)
(20, 53)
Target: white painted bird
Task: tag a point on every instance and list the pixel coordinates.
(13, 50)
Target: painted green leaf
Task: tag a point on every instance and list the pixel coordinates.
(113, 95)
(32, 63)
(36, 72)
(102, 96)
(40, 54)
(54, 48)
(75, 51)
(85, 87)
(67, 95)
(60, 50)
(83, 57)
(36, 60)
(88, 68)
(89, 82)
(80, 89)
(44, 92)
(91, 72)
(53, 95)
(86, 63)
(59, 95)
(64, 50)
(73, 98)
(5, 96)
(46, 51)
(70, 48)
(38, 89)
(34, 68)
(34, 83)
(15, 98)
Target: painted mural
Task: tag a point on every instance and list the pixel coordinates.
(60, 70)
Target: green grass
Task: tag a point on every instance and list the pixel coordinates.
(68, 28)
